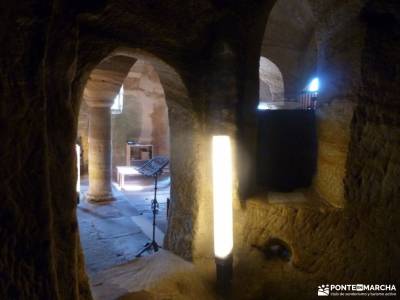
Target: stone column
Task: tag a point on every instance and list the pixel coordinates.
(100, 151)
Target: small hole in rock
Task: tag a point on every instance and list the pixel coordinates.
(277, 249)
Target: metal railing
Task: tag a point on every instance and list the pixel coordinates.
(308, 100)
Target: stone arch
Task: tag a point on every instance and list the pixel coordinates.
(289, 41)
(101, 87)
(184, 155)
(271, 81)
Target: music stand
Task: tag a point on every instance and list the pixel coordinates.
(153, 168)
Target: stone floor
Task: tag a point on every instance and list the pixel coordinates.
(162, 276)
(112, 233)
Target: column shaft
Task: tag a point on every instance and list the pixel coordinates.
(99, 154)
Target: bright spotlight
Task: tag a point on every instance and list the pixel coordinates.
(314, 85)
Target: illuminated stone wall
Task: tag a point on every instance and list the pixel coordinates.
(339, 71)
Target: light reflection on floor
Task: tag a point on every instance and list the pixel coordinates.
(108, 231)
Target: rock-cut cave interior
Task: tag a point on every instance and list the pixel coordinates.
(204, 149)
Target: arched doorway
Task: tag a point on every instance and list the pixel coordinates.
(271, 84)
(160, 80)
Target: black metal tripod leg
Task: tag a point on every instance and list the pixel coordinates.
(152, 245)
(147, 247)
(156, 247)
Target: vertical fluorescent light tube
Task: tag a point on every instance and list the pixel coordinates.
(78, 168)
(222, 195)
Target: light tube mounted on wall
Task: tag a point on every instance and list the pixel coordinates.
(78, 168)
(222, 195)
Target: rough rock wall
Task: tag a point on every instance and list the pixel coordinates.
(265, 92)
(372, 184)
(333, 130)
(339, 72)
(358, 243)
(40, 245)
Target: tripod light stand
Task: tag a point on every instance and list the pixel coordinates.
(152, 245)
(153, 168)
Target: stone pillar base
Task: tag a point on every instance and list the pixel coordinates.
(99, 198)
